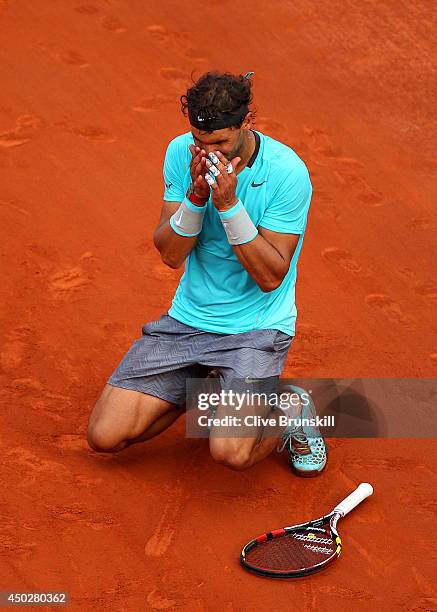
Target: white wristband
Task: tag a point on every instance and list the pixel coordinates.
(237, 224)
(187, 220)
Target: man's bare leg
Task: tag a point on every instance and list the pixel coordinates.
(240, 453)
(122, 417)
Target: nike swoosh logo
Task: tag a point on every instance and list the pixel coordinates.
(226, 224)
(178, 216)
(168, 185)
(258, 184)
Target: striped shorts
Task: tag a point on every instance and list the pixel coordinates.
(170, 352)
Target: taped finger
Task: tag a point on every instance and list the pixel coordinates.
(212, 169)
(213, 157)
(209, 179)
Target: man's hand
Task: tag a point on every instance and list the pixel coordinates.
(223, 189)
(197, 171)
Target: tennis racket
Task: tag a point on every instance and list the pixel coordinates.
(300, 550)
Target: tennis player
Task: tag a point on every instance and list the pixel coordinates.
(235, 212)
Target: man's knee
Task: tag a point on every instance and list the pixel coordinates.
(230, 454)
(102, 442)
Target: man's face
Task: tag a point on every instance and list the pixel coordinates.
(229, 141)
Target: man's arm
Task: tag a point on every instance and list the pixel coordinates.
(174, 249)
(267, 258)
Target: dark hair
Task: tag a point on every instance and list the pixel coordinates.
(216, 93)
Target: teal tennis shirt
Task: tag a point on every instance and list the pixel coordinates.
(216, 293)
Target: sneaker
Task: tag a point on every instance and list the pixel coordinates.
(307, 450)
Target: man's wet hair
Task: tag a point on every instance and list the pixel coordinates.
(217, 98)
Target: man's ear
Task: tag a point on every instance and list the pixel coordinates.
(247, 122)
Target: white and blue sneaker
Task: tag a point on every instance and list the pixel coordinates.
(307, 450)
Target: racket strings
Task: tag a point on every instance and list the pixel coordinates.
(319, 549)
(292, 552)
(311, 538)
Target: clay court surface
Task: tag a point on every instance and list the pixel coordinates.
(89, 101)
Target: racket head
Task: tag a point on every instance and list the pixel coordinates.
(295, 551)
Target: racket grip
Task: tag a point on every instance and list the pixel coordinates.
(361, 492)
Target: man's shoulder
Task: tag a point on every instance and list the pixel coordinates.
(278, 152)
(179, 144)
(283, 160)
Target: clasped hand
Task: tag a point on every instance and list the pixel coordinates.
(203, 167)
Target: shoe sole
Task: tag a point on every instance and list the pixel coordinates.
(308, 474)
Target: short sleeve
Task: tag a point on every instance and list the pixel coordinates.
(288, 205)
(173, 176)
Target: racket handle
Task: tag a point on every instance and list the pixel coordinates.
(361, 492)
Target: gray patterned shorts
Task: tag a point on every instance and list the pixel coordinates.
(169, 352)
